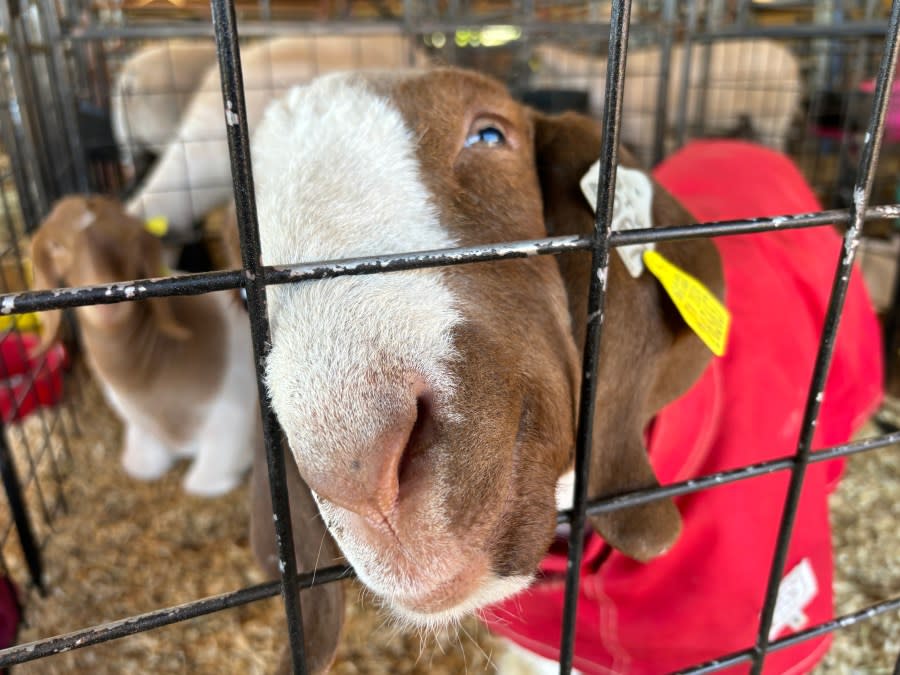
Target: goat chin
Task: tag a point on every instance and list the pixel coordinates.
(492, 591)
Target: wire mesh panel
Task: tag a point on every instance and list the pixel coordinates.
(36, 425)
(656, 74)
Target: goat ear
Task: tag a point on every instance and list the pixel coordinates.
(323, 606)
(149, 265)
(231, 240)
(648, 355)
(45, 263)
(231, 237)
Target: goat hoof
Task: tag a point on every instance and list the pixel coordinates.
(145, 464)
(205, 485)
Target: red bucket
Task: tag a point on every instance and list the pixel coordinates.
(28, 383)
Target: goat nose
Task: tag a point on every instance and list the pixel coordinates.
(370, 483)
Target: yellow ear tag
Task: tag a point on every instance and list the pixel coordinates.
(700, 309)
(158, 226)
(24, 322)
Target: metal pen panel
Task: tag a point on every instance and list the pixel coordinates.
(845, 621)
(235, 111)
(208, 282)
(254, 277)
(165, 616)
(684, 98)
(65, 102)
(865, 178)
(606, 187)
(662, 90)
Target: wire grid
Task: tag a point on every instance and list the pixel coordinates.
(254, 278)
(659, 118)
(698, 101)
(46, 453)
(43, 130)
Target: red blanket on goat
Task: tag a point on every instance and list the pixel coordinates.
(704, 597)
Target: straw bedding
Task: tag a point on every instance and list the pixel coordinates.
(126, 547)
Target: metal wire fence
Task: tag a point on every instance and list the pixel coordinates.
(34, 491)
(254, 278)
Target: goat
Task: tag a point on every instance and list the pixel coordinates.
(178, 371)
(192, 174)
(432, 412)
(151, 91)
(755, 82)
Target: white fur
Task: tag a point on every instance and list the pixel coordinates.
(517, 661)
(86, 220)
(144, 456)
(222, 444)
(193, 173)
(227, 437)
(343, 350)
(493, 590)
(565, 490)
(152, 89)
(756, 78)
(350, 188)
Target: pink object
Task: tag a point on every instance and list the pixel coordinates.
(892, 120)
(703, 598)
(18, 398)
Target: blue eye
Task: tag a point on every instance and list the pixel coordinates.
(489, 136)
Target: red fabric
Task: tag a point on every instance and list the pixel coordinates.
(10, 613)
(703, 598)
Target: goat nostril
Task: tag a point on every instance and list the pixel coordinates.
(378, 476)
(419, 438)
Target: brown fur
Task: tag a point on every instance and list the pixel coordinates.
(140, 347)
(231, 238)
(484, 196)
(322, 606)
(648, 355)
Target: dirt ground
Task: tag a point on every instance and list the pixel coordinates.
(125, 547)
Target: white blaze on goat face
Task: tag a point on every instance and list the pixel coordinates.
(413, 435)
(340, 179)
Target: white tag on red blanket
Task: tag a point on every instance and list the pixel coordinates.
(631, 209)
(796, 590)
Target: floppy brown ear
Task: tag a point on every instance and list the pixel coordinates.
(231, 242)
(648, 355)
(46, 276)
(231, 237)
(322, 606)
(149, 265)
